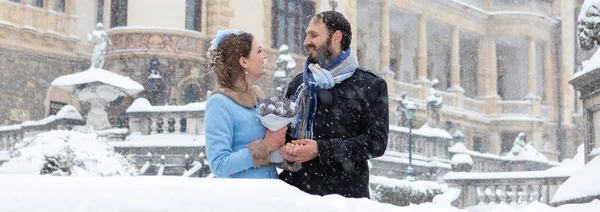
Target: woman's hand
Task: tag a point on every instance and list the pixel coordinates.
(274, 140)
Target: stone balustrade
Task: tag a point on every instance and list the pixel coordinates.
(412, 91)
(473, 105)
(67, 118)
(504, 187)
(146, 119)
(427, 142)
(487, 162)
(547, 112)
(515, 107)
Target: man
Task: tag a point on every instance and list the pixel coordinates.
(343, 114)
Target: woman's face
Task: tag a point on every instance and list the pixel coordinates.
(255, 62)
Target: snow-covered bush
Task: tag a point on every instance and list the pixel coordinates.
(403, 192)
(67, 153)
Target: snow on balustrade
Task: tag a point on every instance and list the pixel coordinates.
(66, 117)
(148, 119)
(411, 90)
(515, 107)
(524, 187)
(530, 160)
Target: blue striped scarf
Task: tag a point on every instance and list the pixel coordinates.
(341, 68)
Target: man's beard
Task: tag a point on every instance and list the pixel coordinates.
(322, 54)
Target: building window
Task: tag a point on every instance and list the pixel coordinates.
(100, 14)
(118, 13)
(193, 15)
(37, 3)
(478, 144)
(55, 107)
(59, 6)
(190, 94)
(15, 0)
(289, 20)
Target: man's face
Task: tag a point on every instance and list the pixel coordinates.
(318, 43)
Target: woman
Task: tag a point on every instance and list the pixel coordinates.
(237, 144)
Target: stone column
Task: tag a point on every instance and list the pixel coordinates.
(532, 69)
(550, 73)
(495, 143)
(455, 69)
(532, 95)
(422, 56)
(384, 39)
(384, 46)
(488, 74)
(218, 16)
(455, 60)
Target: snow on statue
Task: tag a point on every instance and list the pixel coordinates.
(100, 40)
(588, 32)
(434, 104)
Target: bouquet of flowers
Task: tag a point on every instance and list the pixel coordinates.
(276, 113)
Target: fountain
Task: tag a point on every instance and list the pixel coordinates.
(96, 85)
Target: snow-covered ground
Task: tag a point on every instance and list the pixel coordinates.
(21, 186)
(52, 193)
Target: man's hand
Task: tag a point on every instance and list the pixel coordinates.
(287, 150)
(304, 150)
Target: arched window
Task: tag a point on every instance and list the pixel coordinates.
(190, 93)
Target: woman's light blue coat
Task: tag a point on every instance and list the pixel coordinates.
(229, 128)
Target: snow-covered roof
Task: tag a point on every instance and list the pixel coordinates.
(68, 82)
(143, 105)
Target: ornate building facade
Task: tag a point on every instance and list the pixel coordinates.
(503, 66)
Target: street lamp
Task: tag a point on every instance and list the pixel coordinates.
(410, 114)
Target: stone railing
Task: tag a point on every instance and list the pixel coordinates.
(487, 162)
(449, 98)
(146, 119)
(473, 105)
(67, 118)
(412, 91)
(547, 112)
(479, 189)
(427, 142)
(515, 107)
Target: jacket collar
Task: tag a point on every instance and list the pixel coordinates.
(244, 98)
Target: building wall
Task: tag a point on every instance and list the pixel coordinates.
(250, 18)
(146, 13)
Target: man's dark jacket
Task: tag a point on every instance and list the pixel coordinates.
(351, 126)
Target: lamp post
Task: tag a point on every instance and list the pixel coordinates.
(410, 113)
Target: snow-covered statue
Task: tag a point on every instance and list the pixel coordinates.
(519, 144)
(100, 40)
(588, 32)
(588, 25)
(401, 110)
(284, 67)
(434, 104)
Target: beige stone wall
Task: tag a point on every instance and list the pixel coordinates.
(146, 13)
(86, 21)
(250, 17)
